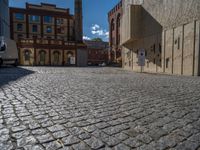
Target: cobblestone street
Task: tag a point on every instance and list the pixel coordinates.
(97, 108)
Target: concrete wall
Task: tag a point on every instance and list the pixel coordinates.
(146, 35)
(171, 26)
(172, 13)
(82, 57)
(181, 48)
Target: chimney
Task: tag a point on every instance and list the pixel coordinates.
(78, 21)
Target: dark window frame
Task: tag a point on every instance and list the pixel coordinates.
(33, 18)
(19, 16)
(49, 29)
(19, 27)
(48, 19)
(34, 28)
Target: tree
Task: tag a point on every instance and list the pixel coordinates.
(97, 39)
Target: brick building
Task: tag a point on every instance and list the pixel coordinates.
(114, 19)
(47, 35)
(97, 52)
(168, 32)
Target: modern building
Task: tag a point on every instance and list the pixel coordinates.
(167, 30)
(47, 35)
(97, 52)
(114, 19)
(4, 19)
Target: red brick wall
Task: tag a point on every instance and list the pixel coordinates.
(114, 18)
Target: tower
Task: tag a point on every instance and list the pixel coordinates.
(78, 21)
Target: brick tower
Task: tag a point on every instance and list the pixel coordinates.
(78, 21)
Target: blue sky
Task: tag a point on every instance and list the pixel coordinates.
(94, 14)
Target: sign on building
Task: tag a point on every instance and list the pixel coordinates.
(141, 57)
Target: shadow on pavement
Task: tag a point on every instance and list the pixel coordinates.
(9, 74)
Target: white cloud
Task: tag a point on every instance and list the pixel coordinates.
(99, 31)
(107, 34)
(86, 38)
(95, 27)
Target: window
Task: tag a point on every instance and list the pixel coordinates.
(112, 25)
(60, 30)
(34, 18)
(167, 62)
(48, 19)
(34, 28)
(118, 23)
(20, 27)
(118, 20)
(59, 21)
(2, 46)
(19, 16)
(49, 29)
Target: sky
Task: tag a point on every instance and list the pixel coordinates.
(95, 20)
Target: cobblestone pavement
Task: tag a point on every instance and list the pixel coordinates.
(97, 108)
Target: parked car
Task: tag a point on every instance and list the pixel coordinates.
(8, 52)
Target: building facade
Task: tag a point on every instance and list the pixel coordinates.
(168, 31)
(47, 35)
(97, 52)
(114, 19)
(4, 19)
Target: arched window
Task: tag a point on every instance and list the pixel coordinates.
(112, 28)
(118, 29)
(112, 25)
(42, 57)
(56, 57)
(118, 20)
(27, 54)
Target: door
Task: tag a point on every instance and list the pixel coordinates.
(56, 58)
(42, 57)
